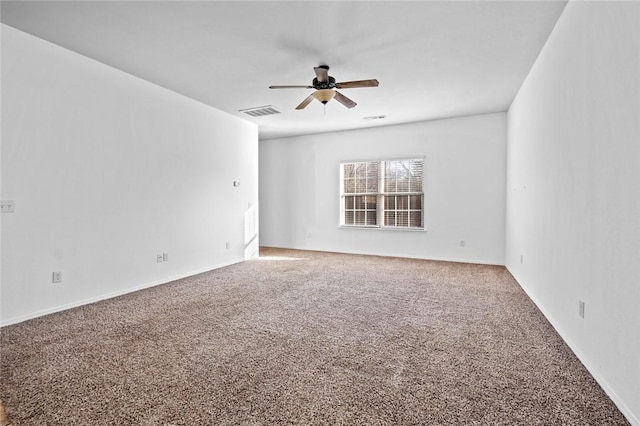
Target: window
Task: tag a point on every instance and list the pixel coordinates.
(385, 193)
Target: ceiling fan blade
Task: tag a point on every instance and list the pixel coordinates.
(344, 100)
(290, 87)
(322, 73)
(306, 102)
(360, 83)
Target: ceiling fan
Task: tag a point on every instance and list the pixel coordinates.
(325, 86)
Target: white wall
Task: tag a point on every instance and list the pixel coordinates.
(573, 203)
(108, 170)
(464, 189)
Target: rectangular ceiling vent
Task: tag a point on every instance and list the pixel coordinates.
(260, 111)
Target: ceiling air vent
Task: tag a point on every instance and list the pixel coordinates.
(260, 111)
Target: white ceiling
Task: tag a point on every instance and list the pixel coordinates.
(432, 59)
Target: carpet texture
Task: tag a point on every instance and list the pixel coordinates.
(300, 337)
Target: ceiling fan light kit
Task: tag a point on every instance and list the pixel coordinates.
(324, 95)
(325, 86)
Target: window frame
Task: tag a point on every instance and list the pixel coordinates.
(381, 198)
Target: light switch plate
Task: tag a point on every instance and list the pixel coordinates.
(7, 206)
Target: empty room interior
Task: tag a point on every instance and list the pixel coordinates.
(320, 212)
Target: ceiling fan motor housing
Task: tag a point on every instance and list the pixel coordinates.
(329, 84)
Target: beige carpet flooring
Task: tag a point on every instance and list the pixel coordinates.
(304, 338)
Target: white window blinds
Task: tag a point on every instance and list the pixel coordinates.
(360, 191)
(383, 193)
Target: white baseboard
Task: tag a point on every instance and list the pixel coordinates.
(624, 409)
(401, 255)
(75, 304)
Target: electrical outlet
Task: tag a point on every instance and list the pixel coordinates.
(56, 277)
(165, 257)
(581, 308)
(228, 245)
(462, 243)
(521, 259)
(159, 258)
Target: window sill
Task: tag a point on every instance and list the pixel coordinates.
(383, 228)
